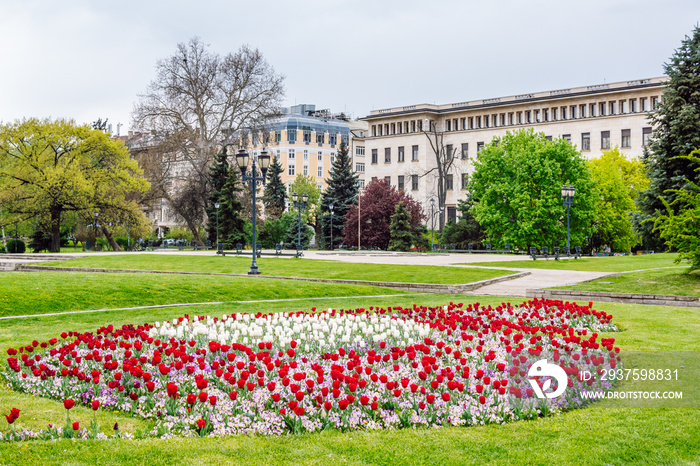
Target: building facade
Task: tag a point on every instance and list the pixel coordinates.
(594, 118)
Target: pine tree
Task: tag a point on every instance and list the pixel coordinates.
(231, 223)
(218, 174)
(342, 193)
(676, 134)
(275, 195)
(400, 229)
(292, 238)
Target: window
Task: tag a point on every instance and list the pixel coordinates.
(332, 157)
(548, 138)
(319, 138)
(537, 115)
(486, 121)
(290, 170)
(555, 113)
(452, 214)
(654, 103)
(319, 171)
(603, 108)
(623, 106)
(306, 170)
(414, 153)
(360, 167)
(291, 135)
(520, 118)
(633, 105)
(449, 125)
(465, 180)
(320, 156)
(306, 155)
(320, 186)
(625, 138)
(573, 112)
(374, 155)
(374, 178)
(510, 119)
(414, 182)
(470, 120)
(528, 117)
(402, 157)
(646, 136)
(585, 141)
(605, 139)
(291, 154)
(360, 184)
(387, 179)
(479, 146)
(393, 128)
(374, 130)
(449, 151)
(613, 108)
(566, 137)
(582, 111)
(465, 150)
(592, 113)
(413, 126)
(401, 182)
(360, 150)
(307, 136)
(387, 155)
(449, 183)
(563, 113)
(644, 103)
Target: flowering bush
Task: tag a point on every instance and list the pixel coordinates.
(340, 369)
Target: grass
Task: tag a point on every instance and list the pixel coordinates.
(662, 281)
(24, 293)
(595, 264)
(305, 268)
(587, 436)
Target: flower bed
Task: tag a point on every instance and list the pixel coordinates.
(340, 369)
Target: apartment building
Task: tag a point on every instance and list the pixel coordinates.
(594, 118)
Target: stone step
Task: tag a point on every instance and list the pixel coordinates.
(34, 257)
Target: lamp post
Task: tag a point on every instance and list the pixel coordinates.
(567, 194)
(432, 224)
(330, 207)
(359, 217)
(94, 230)
(299, 205)
(217, 227)
(242, 161)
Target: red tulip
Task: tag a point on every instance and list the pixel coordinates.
(95, 405)
(68, 404)
(201, 423)
(76, 425)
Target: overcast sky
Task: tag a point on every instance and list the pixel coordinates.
(89, 59)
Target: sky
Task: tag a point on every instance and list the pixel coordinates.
(85, 60)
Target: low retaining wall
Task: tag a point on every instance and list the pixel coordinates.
(628, 298)
(415, 287)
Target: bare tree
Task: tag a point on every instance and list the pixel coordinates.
(444, 163)
(198, 100)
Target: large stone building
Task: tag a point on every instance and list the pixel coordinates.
(594, 118)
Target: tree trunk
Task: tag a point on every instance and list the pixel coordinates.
(55, 229)
(193, 228)
(110, 239)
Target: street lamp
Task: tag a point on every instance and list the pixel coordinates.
(567, 194)
(94, 230)
(242, 158)
(299, 205)
(217, 227)
(330, 207)
(432, 223)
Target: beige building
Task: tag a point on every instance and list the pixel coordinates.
(594, 118)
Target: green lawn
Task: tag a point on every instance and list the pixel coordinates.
(662, 281)
(287, 267)
(596, 264)
(587, 436)
(23, 293)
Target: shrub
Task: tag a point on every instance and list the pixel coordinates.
(16, 246)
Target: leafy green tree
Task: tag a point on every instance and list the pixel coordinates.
(617, 182)
(218, 175)
(341, 191)
(676, 134)
(275, 194)
(401, 233)
(307, 184)
(516, 187)
(291, 239)
(274, 230)
(49, 168)
(681, 230)
(466, 230)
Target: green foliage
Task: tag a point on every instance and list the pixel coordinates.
(342, 193)
(41, 238)
(275, 194)
(676, 133)
(516, 187)
(307, 184)
(293, 231)
(49, 168)
(400, 229)
(218, 174)
(16, 246)
(180, 232)
(231, 224)
(274, 230)
(617, 182)
(681, 230)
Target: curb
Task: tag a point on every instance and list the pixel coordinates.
(626, 298)
(415, 287)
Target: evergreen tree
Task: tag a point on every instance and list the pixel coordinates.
(218, 174)
(466, 230)
(275, 195)
(401, 237)
(342, 193)
(232, 226)
(676, 134)
(292, 237)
